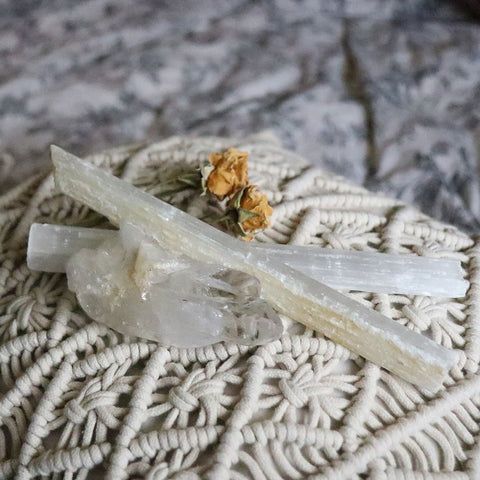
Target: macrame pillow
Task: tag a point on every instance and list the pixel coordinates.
(81, 401)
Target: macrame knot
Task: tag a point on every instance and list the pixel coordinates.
(428, 249)
(158, 472)
(75, 412)
(293, 393)
(302, 405)
(336, 240)
(20, 303)
(22, 307)
(183, 400)
(417, 317)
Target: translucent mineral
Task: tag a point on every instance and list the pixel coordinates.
(374, 272)
(360, 329)
(50, 247)
(141, 289)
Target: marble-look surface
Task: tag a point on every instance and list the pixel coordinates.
(386, 92)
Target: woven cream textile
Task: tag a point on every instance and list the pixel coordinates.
(81, 401)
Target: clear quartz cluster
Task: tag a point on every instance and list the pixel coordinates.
(135, 286)
(362, 330)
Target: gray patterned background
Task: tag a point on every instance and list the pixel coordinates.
(385, 92)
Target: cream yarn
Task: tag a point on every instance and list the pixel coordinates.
(81, 401)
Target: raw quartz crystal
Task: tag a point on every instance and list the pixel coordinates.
(136, 287)
(364, 331)
(50, 247)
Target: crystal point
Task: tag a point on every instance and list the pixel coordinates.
(151, 292)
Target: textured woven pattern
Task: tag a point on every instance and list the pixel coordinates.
(81, 401)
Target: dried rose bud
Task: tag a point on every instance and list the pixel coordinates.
(229, 173)
(254, 212)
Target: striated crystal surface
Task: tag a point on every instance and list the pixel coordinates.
(50, 246)
(141, 289)
(364, 331)
(374, 272)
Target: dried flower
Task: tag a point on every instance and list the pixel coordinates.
(228, 175)
(253, 209)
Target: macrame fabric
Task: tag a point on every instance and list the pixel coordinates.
(80, 401)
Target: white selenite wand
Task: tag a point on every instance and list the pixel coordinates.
(51, 246)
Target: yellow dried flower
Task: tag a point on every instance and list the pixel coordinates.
(229, 174)
(254, 212)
